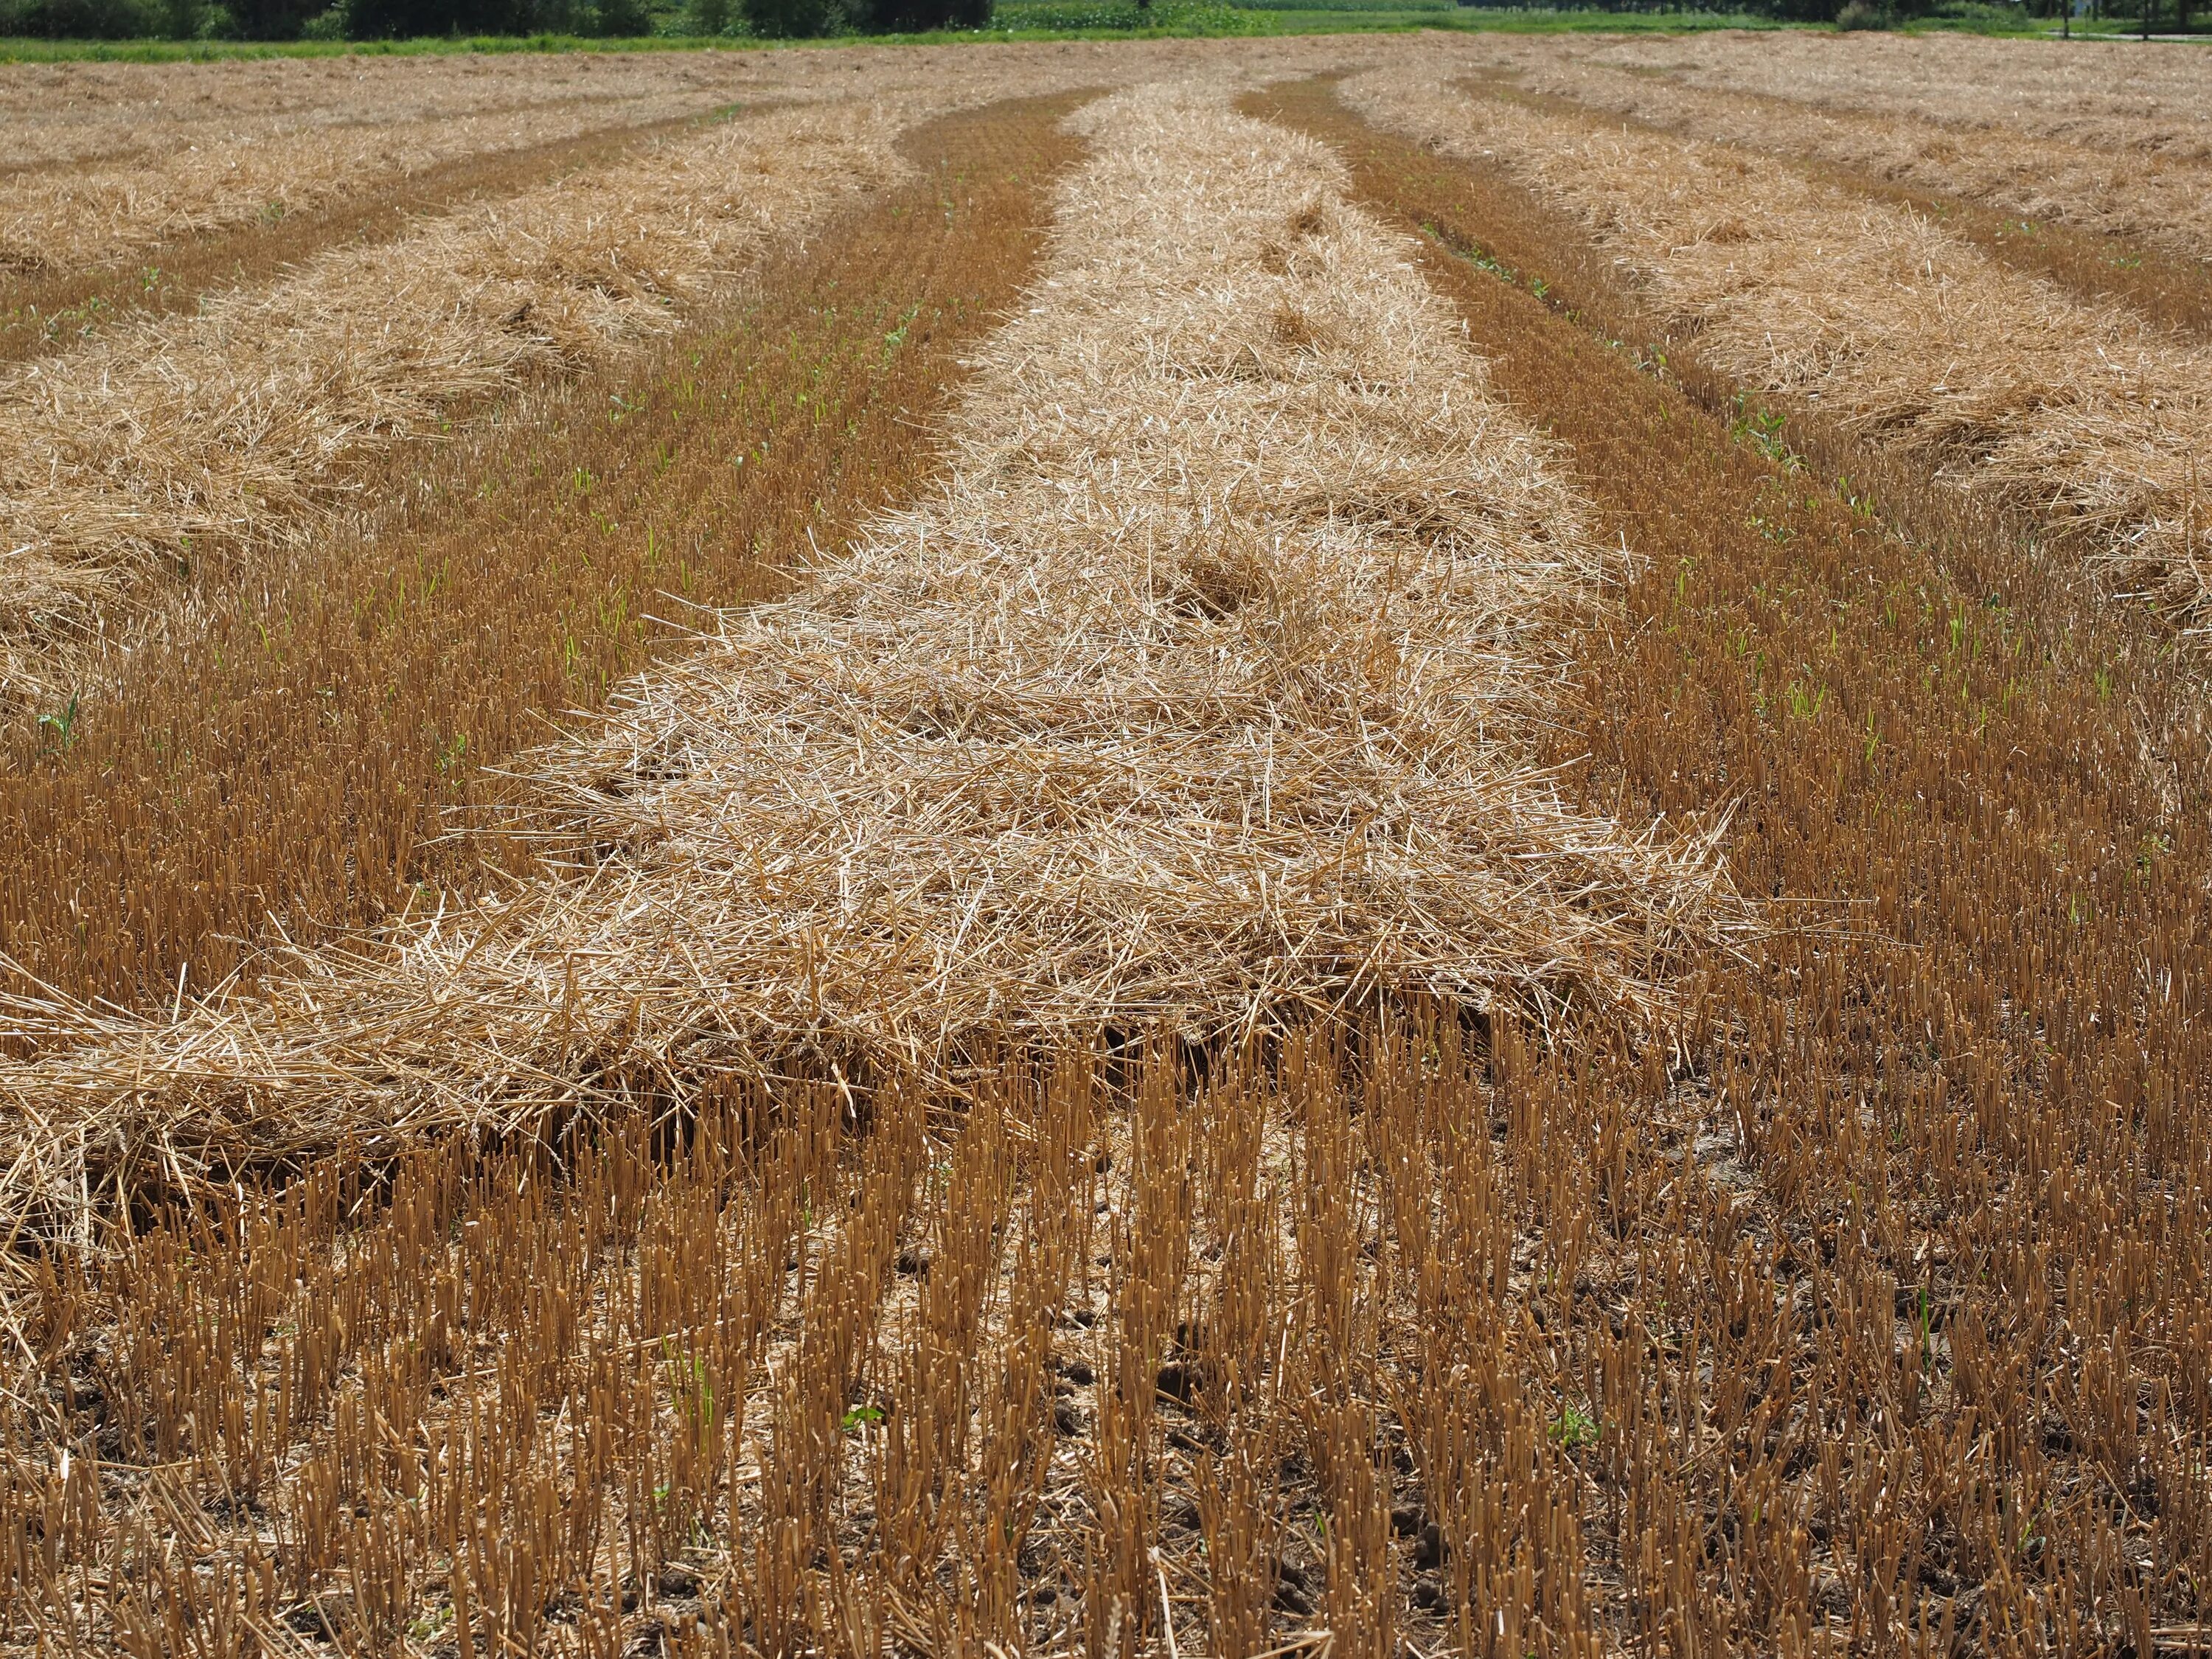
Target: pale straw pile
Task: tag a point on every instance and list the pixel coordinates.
(101, 163)
(2085, 418)
(1199, 701)
(82, 110)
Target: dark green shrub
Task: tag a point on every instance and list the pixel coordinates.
(901, 16)
(793, 19)
(80, 20)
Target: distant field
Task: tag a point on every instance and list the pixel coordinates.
(1329, 844)
(1011, 19)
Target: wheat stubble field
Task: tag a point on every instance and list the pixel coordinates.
(1365, 847)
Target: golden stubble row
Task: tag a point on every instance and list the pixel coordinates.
(2151, 104)
(1111, 1357)
(1104, 1360)
(160, 449)
(70, 215)
(1952, 1106)
(83, 112)
(261, 747)
(282, 772)
(1862, 1311)
(107, 162)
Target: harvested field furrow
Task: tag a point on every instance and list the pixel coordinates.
(2040, 234)
(53, 311)
(1944, 747)
(173, 443)
(2086, 423)
(283, 762)
(1199, 701)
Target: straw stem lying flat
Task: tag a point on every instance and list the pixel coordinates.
(2062, 135)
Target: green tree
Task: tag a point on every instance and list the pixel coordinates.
(787, 20)
(902, 16)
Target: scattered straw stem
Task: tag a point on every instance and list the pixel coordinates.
(1200, 699)
(2078, 417)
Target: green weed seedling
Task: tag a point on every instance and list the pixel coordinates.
(58, 731)
(1573, 1428)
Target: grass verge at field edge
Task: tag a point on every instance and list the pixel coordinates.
(1952, 1108)
(51, 312)
(284, 764)
(2165, 287)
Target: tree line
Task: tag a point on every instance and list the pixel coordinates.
(389, 20)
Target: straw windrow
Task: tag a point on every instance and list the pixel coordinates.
(166, 443)
(62, 218)
(83, 113)
(172, 440)
(2103, 93)
(1200, 699)
(2079, 417)
(1861, 1307)
(1862, 106)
